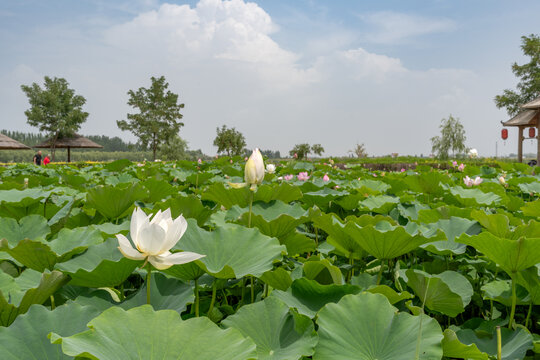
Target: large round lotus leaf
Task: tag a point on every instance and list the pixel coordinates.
(497, 224)
(532, 209)
(453, 348)
(453, 227)
(29, 292)
(33, 227)
(339, 236)
(22, 198)
(266, 193)
(501, 291)
(297, 243)
(427, 183)
(323, 271)
(40, 255)
(447, 293)
(388, 243)
(322, 197)
(381, 204)
(366, 327)
(27, 338)
(473, 197)
(158, 189)
(278, 332)
(115, 201)
(102, 265)
(232, 251)
(511, 255)
(530, 280)
(188, 206)
(142, 333)
(514, 343)
(442, 212)
(308, 296)
(278, 279)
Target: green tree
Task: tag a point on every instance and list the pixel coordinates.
(175, 149)
(54, 109)
(230, 141)
(159, 113)
(301, 150)
(529, 74)
(452, 138)
(359, 150)
(317, 149)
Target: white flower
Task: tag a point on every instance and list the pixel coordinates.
(154, 238)
(473, 153)
(254, 170)
(502, 180)
(468, 181)
(271, 168)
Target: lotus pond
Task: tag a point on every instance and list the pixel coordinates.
(413, 264)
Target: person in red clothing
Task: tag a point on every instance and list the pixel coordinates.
(47, 159)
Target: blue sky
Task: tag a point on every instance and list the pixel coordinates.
(382, 73)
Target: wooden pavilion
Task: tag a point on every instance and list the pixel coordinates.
(75, 141)
(7, 143)
(528, 118)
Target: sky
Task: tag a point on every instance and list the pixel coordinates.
(339, 73)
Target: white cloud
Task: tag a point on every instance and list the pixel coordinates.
(392, 27)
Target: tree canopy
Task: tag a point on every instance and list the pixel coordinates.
(452, 138)
(528, 87)
(157, 121)
(54, 109)
(229, 141)
(301, 150)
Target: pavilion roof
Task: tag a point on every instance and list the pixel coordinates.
(535, 104)
(524, 118)
(74, 141)
(8, 143)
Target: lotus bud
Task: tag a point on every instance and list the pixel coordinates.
(502, 181)
(254, 170)
(326, 178)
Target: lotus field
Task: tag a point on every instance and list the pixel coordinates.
(306, 260)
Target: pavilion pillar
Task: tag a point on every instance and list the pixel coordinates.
(538, 142)
(69, 154)
(520, 144)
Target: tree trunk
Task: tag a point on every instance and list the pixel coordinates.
(154, 146)
(53, 146)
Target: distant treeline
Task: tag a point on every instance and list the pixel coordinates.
(108, 143)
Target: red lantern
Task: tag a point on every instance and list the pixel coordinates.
(532, 132)
(504, 134)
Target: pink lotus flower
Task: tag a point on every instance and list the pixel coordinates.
(288, 177)
(336, 187)
(461, 167)
(470, 182)
(326, 177)
(303, 176)
(199, 161)
(231, 161)
(295, 155)
(454, 163)
(402, 169)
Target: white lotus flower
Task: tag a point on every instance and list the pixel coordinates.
(473, 153)
(270, 168)
(254, 171)
(502, 180)
(154, 238)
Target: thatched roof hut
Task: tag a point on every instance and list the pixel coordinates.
(75, 141)
(7, 143)
(535, 104)
(527, 118)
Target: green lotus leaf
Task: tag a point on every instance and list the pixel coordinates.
(142, 333)
(37, 293)
(532, 209)
(339, 236)
(44, 255)
(474, 197)
(392, 295)
(410, 211)
(323, 271)
(497, 224)
(112, 229)
(308, 296)
(186, 272)
(115, 201)
(232, 251)
(443, 212)
(511, 255)
(381, 204)
(447, 293)
(453, 348)
(101, 265)
(278, 279)
(427, 183)
(22, 198)
(297, 244)
(533, 187)
(33, 227)
(367, 327)
(278, 332)
(199, 178)
(26, 338)
(501, 292)
(158, 189)
(514, 343)
(530, 280)
(123, 178)
(188, 206)
(453, 227)
(118, 165)
(386, 244)
(322, 197)
(374, 185)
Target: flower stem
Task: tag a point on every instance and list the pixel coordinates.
(513, 309)
(528, 315)
(250, 208)
(252, 288)
(380, 273)
(196, 298)
(53, 306)
(499, 343)
(148, 281)
(214, 288)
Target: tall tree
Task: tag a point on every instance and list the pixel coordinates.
(317, 149)
(529, 74)
(452, 138)
(230, 141)
(54, 109)
(301, 150)
(159, 113)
